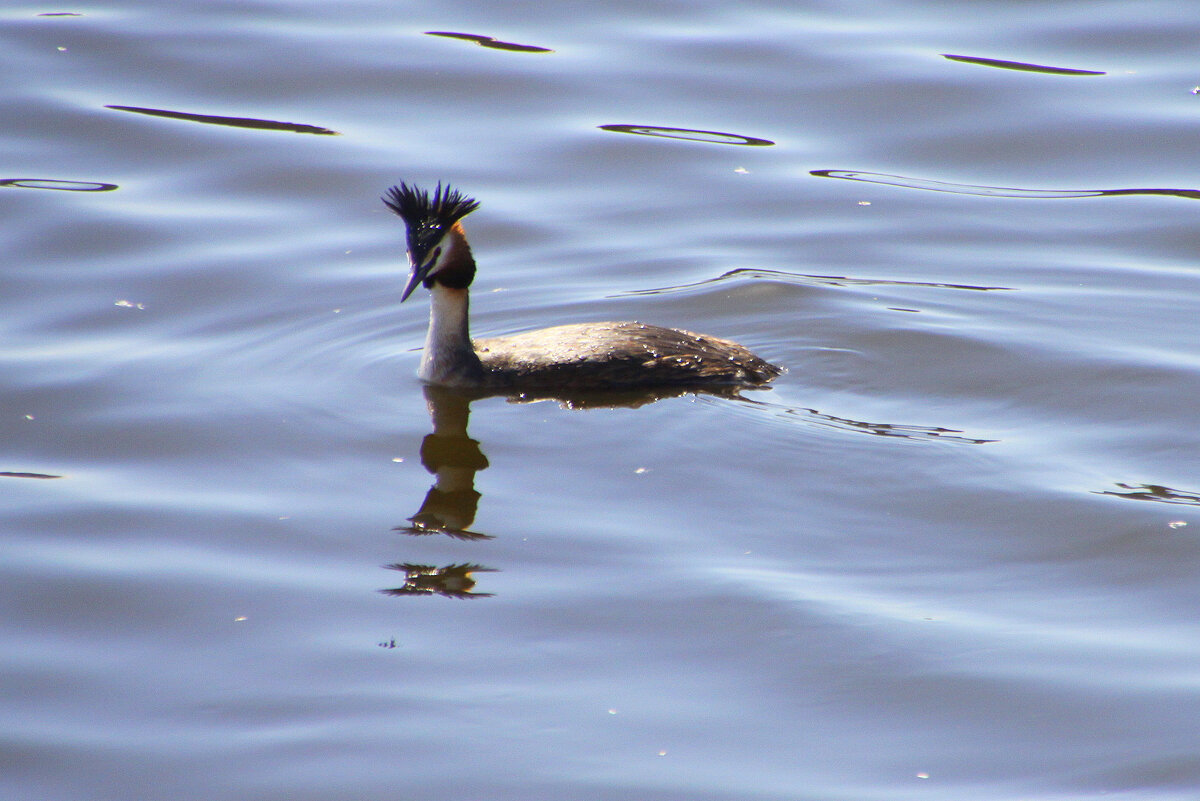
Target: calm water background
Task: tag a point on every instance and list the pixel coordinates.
(953, 553)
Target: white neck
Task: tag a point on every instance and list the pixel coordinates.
(449, 356)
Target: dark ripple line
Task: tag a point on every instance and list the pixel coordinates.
(900, 430)
(916, 433)
(7, 474)
(1153, 492)
(802, 278)
(994, 191)
(60, 185)
(712, 137)
(236, 122)
(491, 42)
(1020, 65)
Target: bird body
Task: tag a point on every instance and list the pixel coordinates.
(579, 357)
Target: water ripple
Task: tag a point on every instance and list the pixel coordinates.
(1154, 492)
(236, 122)
(1020, 65)
(920, 433)
(491, 42)
(56, 184)
(802, 278)
(691, 134)
(993, 191)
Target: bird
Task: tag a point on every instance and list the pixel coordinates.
(582, 357)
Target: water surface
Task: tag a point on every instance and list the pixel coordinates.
(951, 554)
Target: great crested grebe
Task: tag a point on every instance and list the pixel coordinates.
(581, 357)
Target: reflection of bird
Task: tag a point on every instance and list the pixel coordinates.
(589, 356)
(452, 581)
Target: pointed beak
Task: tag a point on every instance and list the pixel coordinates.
(416, 275)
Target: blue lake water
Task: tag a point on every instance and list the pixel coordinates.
(952, 553)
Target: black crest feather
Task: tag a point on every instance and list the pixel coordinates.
(421, 211)
(429, 218)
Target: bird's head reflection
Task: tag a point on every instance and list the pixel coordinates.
(452, 581)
